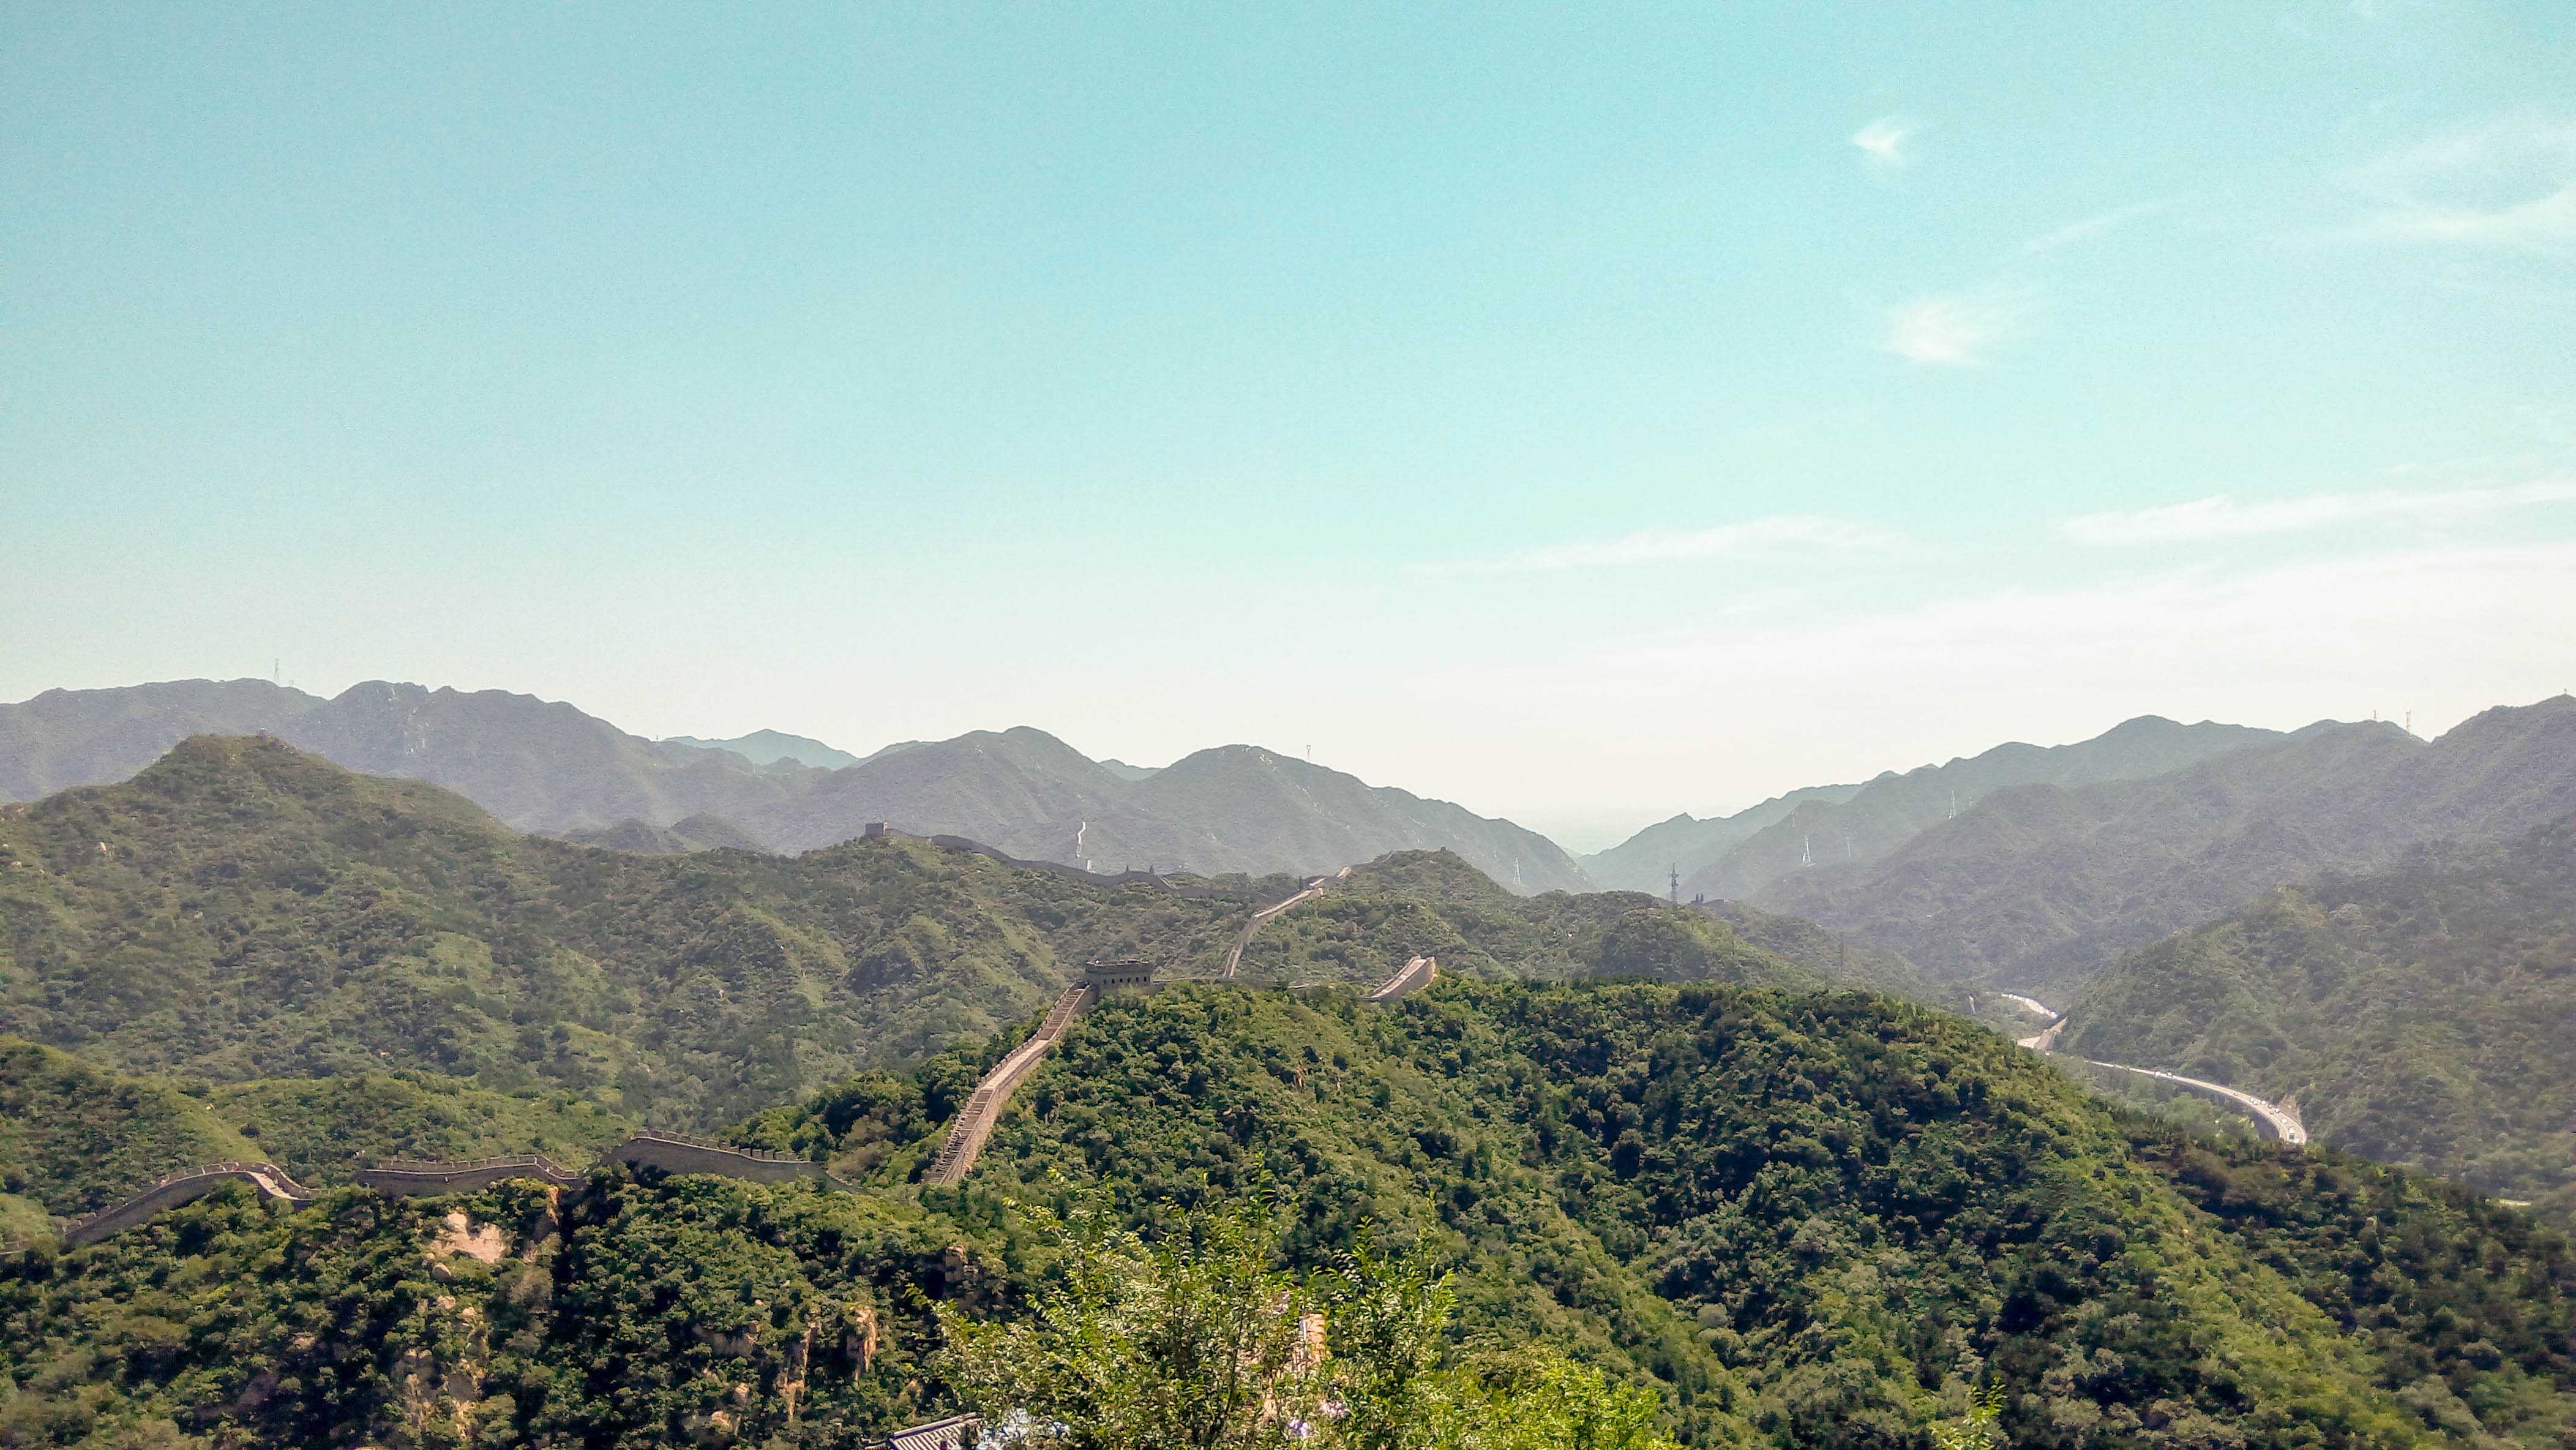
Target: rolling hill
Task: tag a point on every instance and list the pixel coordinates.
(1795, 1219)
(244, 910)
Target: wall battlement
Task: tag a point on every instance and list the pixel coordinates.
(271, 1182)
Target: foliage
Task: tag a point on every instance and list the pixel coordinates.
(1197, 1339)
(1431, 903)
(1192, 1340)
(243, 911)
(1866, 1214)
(75, 1138)
(2469, 1308)
(2417, 1015)
(624, 1314)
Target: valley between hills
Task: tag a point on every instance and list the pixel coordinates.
(1769, 1158)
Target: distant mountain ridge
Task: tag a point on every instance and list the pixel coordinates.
(771, 747)
(1643, 861)
(547, 767)
(2036, 887)
(1737, 856)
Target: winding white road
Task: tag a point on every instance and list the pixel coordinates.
(2283, 1121)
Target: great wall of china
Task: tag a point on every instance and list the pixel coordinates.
(675, 1153)
(974, 1124)
(669, 1152)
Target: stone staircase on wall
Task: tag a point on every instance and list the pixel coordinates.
(975, 1123)
(1415, 975)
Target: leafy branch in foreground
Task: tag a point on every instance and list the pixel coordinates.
(1197, 1340)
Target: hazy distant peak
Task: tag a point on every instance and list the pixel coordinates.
(768, 747)
(1124, 771)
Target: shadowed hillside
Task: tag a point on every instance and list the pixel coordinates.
(2037, 887)
(1893, 809)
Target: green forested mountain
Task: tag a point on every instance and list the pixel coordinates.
(1431, 903)
(2037, 887)
(545, 766)
(1797, 1214)
(1802, 1220)
(2420, 1015)
(243, 910)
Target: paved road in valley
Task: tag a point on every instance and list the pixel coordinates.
(2284, 1122)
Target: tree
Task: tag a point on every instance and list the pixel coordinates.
(1197, 1340)
(1194, 1340)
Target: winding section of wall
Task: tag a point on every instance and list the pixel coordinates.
(270, 1181)
(1243, 938)
(674, 1154)
(967, 1135)
(975, 1123)
(669, 1152)
(409, 1177)
(1417, 974)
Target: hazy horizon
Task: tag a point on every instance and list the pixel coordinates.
(1582, 418)
(1579, 836)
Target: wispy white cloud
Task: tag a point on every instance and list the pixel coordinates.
(2509, 184)
(1883, 140)
(2086, 229)
(2221, 516)
(1955, 329)
(2196, 639)
(1664, 545)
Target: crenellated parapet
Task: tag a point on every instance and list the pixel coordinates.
(412, 1177)
(673, 1153)
(267, 1179)
(668, 1152)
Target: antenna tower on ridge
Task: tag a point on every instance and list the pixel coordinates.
(1677, 883)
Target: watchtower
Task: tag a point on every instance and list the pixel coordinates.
(1110, 978)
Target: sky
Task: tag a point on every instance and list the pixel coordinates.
(1582, 413)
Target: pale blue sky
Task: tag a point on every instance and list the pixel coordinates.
(1581, 413)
